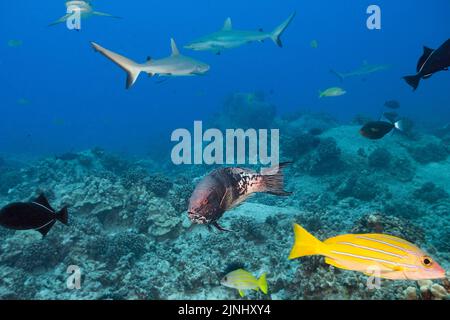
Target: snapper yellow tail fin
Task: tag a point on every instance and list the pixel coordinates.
(305, 244)
(262, 283)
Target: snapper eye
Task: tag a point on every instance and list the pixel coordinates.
(427, 262)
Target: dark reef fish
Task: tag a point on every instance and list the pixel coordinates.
(432, 61)
(36, 215)
(392, 104)
(226, 188)
(375, 130)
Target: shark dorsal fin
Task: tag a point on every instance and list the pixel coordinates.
(175, 51)
(227, 26)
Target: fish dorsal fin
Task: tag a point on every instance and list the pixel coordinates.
(175, 51)
(42, 200)
(228, 25)
(426, 54)
(427, 50)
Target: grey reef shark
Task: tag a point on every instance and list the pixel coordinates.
(86, 11)
(176, 65)
(364, 70)
(228, 37)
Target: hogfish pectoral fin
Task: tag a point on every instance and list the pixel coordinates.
(215, 224)
(46, 228)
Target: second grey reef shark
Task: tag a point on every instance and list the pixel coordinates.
(175, 65)
(364, 70)
(86, 11)
(228, 37)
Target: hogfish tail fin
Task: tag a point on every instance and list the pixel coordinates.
(273, 180)
(278, 32)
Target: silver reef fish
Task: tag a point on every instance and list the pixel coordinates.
(226, 188)
(175, 65)
(229, 38)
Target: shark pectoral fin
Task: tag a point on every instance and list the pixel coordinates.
(60, 20)
(102, 14)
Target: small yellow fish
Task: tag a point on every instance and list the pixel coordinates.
(332, 92)
(243, 280)
(314, 44)
(15, 43)
(378, 255)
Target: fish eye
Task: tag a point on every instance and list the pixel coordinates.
(427, 262)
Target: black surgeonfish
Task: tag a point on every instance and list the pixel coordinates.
(432, 61)
(376, 130)
(36, 215)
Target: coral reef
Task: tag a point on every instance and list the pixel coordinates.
(130, 235)
(431, 152)
(380, 158)
(325, 159)
(430, 193)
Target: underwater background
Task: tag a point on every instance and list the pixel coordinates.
(71, 130)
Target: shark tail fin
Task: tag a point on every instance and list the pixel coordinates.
(278, 32)
(413, 81)
(132, 68)
(337, 74)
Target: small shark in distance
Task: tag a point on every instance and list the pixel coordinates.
(85, 8)
(229, 38)
(175, 65)
(365, 69)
